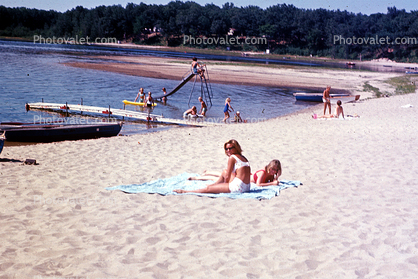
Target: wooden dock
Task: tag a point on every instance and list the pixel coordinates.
(152, 118)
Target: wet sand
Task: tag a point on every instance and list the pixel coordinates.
(303, 78)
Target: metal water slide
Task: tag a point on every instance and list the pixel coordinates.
(205, 86)
(177, 88)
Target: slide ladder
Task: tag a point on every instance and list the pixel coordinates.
(205, 88)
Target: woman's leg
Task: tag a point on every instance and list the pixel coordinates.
(213, 173)
(222, 178)
(212, 189)
(207, 175)
(204, 177)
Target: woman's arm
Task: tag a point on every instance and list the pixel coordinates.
(262, 178)
(229, 169)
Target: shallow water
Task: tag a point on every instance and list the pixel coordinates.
(32, 73)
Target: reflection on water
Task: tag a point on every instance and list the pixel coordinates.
(29, 73)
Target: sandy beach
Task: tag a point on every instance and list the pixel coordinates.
(353, 217)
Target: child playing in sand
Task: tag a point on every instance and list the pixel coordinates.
(237, 117)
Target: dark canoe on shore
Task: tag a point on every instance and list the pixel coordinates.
(61, 132)
(1, 143)
(315, 97)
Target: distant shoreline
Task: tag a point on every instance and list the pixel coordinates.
(313, 79)
(238, 73)
(236, 53)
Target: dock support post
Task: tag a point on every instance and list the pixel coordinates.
(124, 108)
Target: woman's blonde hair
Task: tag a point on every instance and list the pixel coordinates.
(235, 144)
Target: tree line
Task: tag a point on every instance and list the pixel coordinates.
(286, 28)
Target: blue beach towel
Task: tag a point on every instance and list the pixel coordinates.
(167, 185)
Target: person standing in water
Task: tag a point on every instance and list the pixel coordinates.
(203, 107)
(140, 96)
(149, 101)
(227, 109)
(164, 98)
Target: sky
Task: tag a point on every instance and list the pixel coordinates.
(355, 6)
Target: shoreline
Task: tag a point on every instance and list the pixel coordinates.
(288, 77)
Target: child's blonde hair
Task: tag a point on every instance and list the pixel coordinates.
(272, 164)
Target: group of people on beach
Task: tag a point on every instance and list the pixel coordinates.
(192, 112)
(326, 99)
(237, 176)
(227, 109)
(197, 69)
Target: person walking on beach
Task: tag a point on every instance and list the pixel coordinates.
(203, 107)
(235, 179)
(326, 98)
(140, 96)
(227, 109)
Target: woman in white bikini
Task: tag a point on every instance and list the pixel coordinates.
(237, 176)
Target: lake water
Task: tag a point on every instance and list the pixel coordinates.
(32, 73)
